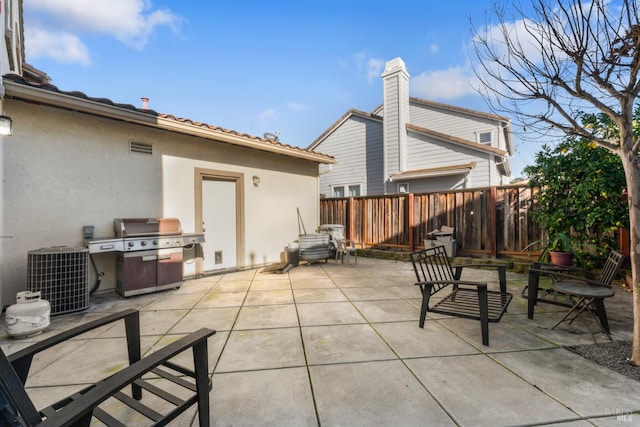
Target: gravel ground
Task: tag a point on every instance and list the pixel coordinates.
(613, 355)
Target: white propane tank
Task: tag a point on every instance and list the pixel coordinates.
(29, 316)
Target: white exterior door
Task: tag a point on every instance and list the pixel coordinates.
(219, 218)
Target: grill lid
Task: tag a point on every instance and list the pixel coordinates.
(141, 227)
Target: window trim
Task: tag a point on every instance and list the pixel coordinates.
(403, 184)
(345, 190)
(479, 137)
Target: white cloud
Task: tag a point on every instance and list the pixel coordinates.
(458, 81)
(61, 47)
(264, 117)
(454, 82)
(373, 67)
(296, 106)
(434, 48)
(130, 21)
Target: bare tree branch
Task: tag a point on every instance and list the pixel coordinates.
(570, 57)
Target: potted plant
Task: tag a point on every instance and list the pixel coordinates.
(559, 250)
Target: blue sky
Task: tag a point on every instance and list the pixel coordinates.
(292, 67)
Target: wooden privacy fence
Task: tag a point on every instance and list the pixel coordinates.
(491, 221)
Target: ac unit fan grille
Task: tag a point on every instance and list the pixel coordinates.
(61, 274)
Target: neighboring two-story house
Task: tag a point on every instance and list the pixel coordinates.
(413, 145)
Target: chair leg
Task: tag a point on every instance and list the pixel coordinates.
(575, 307)
(426, 295)
(132, 329)
(583, 304)
(483, 302)
(201, 369)
(602, 314)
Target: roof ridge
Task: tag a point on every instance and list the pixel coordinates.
(106, 101)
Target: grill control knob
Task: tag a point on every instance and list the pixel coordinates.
(143, 243)
(155, 243)
(130, 244)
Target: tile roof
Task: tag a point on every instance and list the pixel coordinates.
(256, 141)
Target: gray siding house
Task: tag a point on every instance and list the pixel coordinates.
(413, 145)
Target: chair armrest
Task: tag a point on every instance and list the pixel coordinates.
(502, 269)
(106, 388)
(497, 266)
(452, 282)
(502, 272)
(547, 268)
(557, 277)
(21, 359)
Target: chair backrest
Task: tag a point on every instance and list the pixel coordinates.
(610, 269)
(432, 264)
(16, 408)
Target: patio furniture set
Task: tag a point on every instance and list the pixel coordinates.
(572, 287)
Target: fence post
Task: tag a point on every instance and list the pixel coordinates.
(494, 223)
(350, 215)
(411, 221)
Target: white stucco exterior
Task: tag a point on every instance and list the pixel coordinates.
(67, 169)
(69, 164)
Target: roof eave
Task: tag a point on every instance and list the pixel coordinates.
(460, 169)
(455, 140)
(60, 100)
(346, 116)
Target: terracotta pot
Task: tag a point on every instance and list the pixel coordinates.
(561, 258)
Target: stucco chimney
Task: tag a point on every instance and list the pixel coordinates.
(145, 103)
(395, 116)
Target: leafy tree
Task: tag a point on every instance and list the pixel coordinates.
(567, 56)
(582, 191)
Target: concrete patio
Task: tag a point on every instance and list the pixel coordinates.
(338, 344)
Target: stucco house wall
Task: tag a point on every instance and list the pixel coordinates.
(65, 169)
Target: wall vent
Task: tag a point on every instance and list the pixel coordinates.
(140, 147)
(61, 274)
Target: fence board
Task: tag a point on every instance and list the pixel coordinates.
(384, 220)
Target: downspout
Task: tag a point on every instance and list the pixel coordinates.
(3, 205)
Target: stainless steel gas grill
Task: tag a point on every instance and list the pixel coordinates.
(149, 253)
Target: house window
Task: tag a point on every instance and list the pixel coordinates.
(484, 138)
(346, 190)
(403, 187)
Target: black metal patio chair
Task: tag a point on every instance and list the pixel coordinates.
(585, 292)
(17, 408)
(463, 298)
